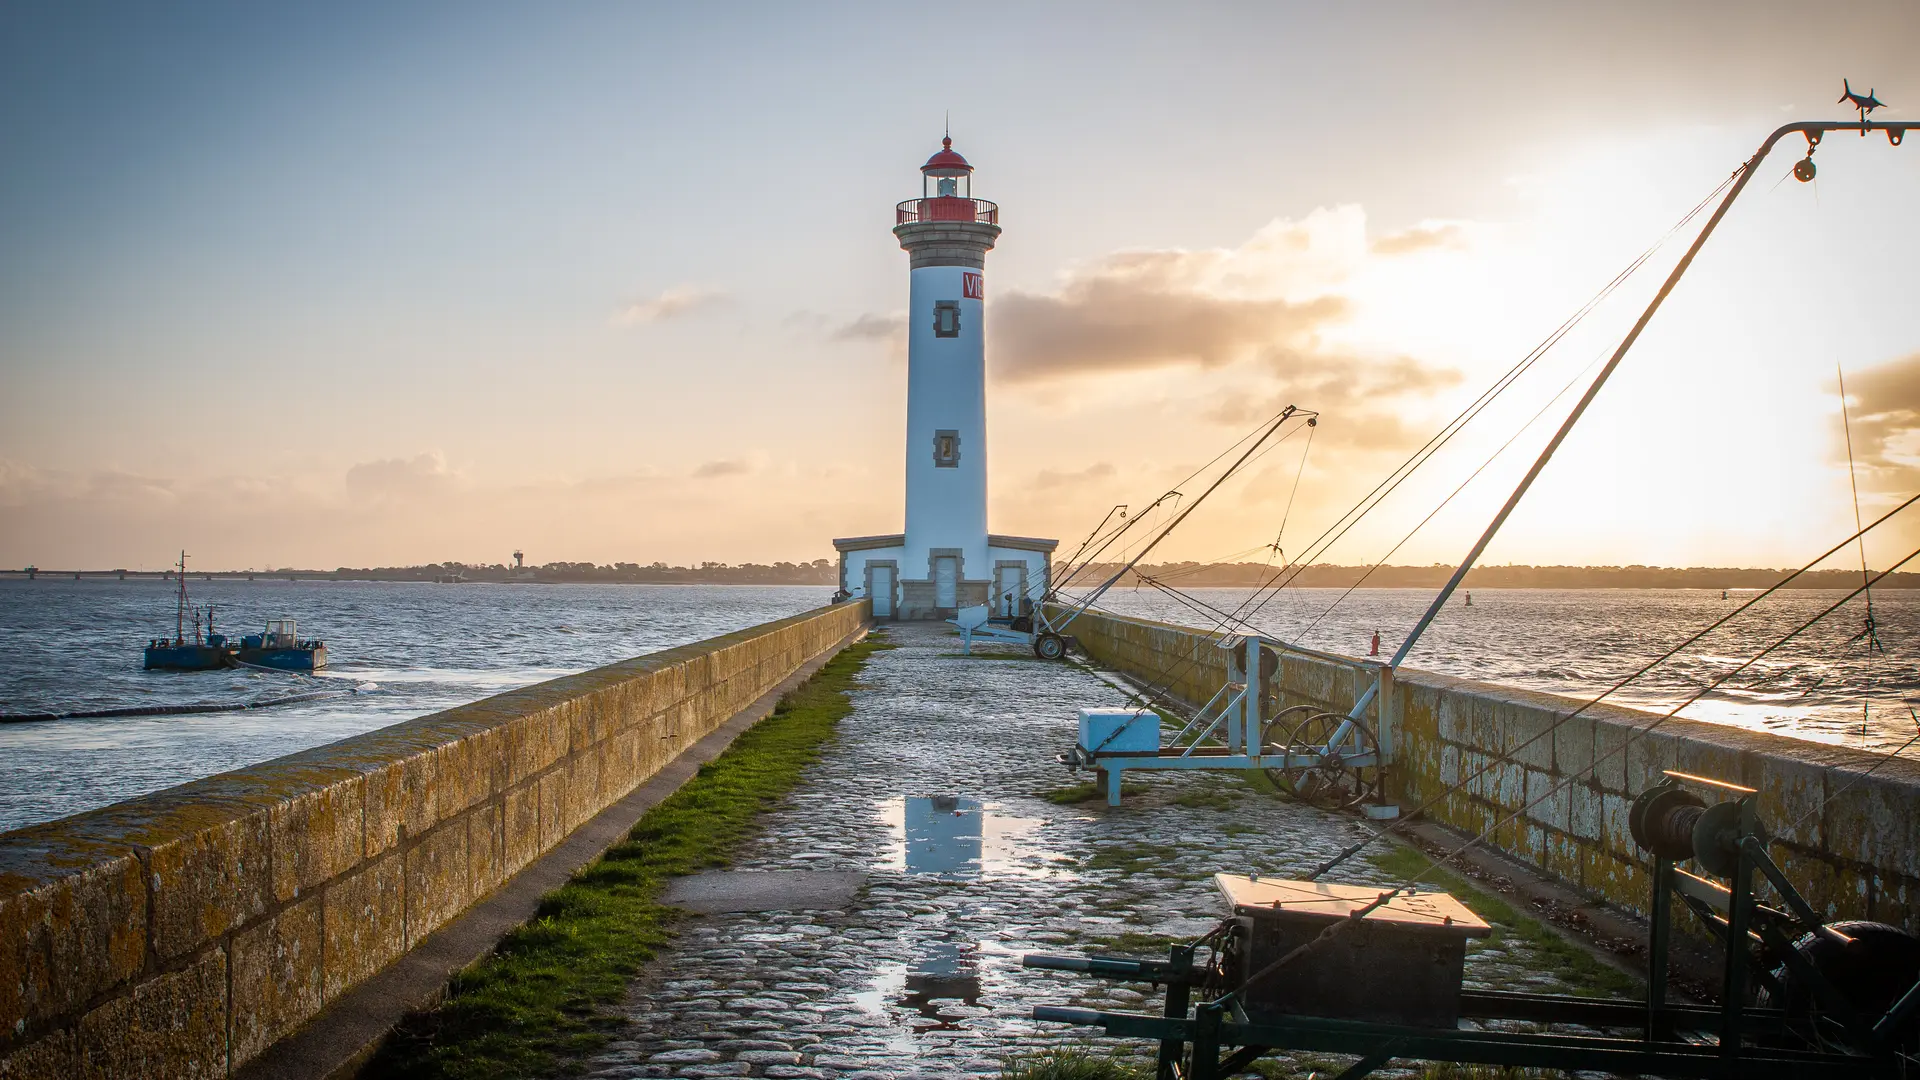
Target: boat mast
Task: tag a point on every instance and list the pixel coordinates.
(180, 608)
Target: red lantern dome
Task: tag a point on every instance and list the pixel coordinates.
(946, 162)
(946, 183)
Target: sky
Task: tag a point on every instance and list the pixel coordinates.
(387, 284)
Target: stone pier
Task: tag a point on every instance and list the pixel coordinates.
(932, 794)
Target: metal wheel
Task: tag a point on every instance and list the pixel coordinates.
(1326, 777)
(1273, 739)
(1049, 647)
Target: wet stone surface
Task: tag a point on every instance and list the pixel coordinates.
(932, 789)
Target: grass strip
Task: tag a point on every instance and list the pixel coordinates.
(540, 995)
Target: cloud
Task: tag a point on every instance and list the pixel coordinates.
(1134, 314)
(1047, 479)
(675, 302)
(421, 476)
(1347, 391)
(1885, 407)
(22, 485)
(1271, 299)
(726, 467)
(1420, 238)
(871, 327)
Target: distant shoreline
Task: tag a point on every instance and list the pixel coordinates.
(821, 573)
(1327, 576)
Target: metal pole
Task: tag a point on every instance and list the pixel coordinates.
(1660, 932)
(1746, 173)
(1285, 415)
(1739, 915)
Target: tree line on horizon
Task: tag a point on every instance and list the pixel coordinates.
(817, 572)
(1189, 575)
(1183, 575)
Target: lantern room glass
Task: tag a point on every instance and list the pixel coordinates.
(946, 185)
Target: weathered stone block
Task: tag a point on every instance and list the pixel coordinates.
(437, 884)
(1615, 833)
(172, 1025)
(1507, 785)
(1618, 881)
(73, 923)
(1564, 857)
(1818, 881)
(53, 1057)
(522, 810)
(1793, 791)
(277, 979)
(1585, 817)
(209, 881)
(1874, 819)
(318, 834)
(1647, 753)
(1526, 734)
(486, 852)
(1722, 758)
(1896, 899)
(583, 789)
(463, 775)
(364, 923)
(1548, 800)
(385, 793)
(553, 807)
(620, 770)
(491, 755)
(1573, 746)
(536, 744)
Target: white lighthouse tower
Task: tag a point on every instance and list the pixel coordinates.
(946, 559)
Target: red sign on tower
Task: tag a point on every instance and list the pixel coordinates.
(971, 287)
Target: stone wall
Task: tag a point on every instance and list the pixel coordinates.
(1847, 822)
(181, 933)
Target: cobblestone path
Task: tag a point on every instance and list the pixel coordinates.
(932, 789)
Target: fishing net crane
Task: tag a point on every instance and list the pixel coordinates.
(1800, 997)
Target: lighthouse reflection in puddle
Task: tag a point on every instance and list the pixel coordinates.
(943, 835)
(954, 836)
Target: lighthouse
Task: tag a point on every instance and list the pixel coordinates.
(946, 559)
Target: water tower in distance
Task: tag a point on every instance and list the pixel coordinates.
(519, 560)
(946, 559)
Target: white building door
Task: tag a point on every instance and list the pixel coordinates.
(1007, 591)
(880, 590)
(946, 582)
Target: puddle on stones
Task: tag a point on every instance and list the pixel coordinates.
(960, 837)
(942, 987)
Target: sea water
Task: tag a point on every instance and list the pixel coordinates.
(398, 650)
(1825, 684)
(395, 650)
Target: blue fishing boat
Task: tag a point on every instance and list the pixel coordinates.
(201, 652)
(281, 648)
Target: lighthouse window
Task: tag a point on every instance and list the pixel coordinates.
(946, 449)
(946, 318)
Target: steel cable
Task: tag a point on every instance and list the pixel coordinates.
(1435, 863)
(1506, 756)
(1264, 593)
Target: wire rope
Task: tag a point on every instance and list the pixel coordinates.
(1442, 505)
(1434, 863)
(1264, 593)
(1506, 756)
